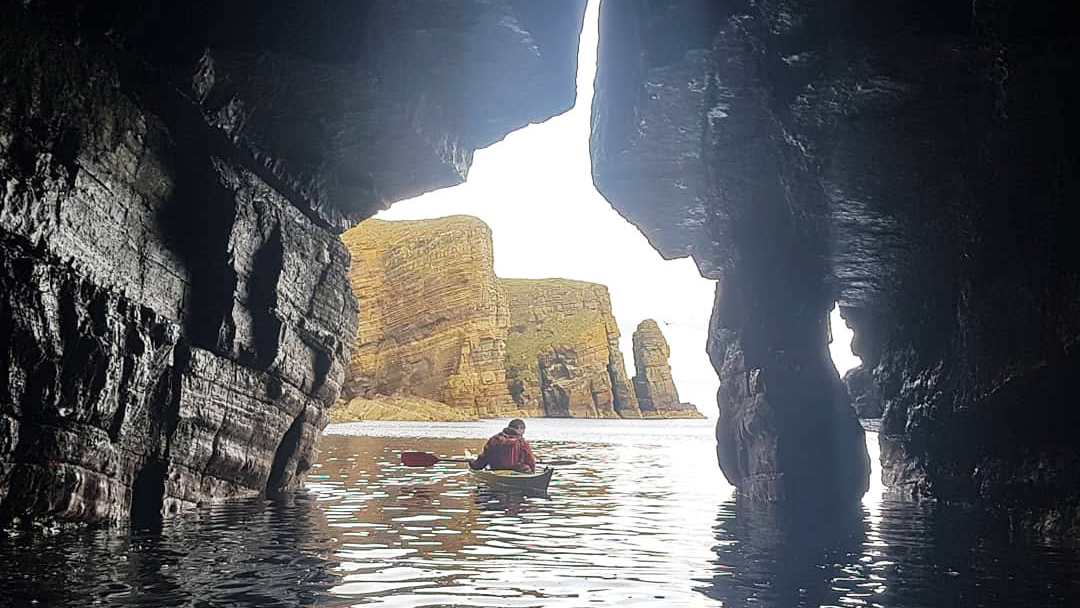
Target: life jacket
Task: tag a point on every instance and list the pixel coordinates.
(507, 450)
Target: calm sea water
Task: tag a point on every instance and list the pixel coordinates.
(644, 519)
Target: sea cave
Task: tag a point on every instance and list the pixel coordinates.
(185, 185)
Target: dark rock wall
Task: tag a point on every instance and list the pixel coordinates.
(175, 312)
(912, 161)
(689, 144)
(863, 390)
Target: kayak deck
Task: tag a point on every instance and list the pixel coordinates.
(515, 479)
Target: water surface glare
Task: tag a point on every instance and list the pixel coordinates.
(644, 519)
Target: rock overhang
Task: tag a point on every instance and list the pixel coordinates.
(178, 173)
(910, 163)
(347, 106)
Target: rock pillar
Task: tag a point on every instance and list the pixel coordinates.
(653, 383)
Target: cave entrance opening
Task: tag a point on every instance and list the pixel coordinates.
(534, 190)
(844, 358)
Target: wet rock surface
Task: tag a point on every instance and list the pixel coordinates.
(653, 384)
(691, 121)
(863, 391)
(911, 161)
(175, 312)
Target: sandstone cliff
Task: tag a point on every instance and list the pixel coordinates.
(655, 388)
(396, 408)
(563, 354)
(175, 315)
(435, 323)
(433, 316)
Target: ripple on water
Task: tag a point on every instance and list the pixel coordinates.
(638, 522)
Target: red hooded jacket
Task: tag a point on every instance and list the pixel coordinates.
(507, 450)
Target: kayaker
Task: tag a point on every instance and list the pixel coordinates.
(507, 450)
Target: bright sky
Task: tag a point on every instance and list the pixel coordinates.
(534, 189)
(840, 347)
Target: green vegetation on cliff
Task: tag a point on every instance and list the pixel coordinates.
(396, 408)
(527, 340)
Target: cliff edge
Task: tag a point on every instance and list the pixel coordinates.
(433, 316)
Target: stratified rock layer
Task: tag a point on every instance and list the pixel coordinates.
(433, 316)
(563, 354)
(655, 388)
(175, 312)
(913, 161)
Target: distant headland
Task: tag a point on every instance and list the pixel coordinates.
(440, 337)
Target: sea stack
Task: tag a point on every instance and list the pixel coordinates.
(653, 385)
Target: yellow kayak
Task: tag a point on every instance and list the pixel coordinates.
(514, 479)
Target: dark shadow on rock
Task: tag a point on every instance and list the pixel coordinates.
(147, 495)
(196, 224)
(285, 457)
(267, 267)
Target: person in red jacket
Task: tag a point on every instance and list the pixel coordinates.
(507, 450)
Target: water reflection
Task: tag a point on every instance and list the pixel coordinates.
(610, 532)
(507, 501)
(242, 553)
(881, 554)
(644, 519)
(773, 557)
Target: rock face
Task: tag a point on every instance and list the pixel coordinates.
(655, 388)
(689, 122)
(435, 323)
(912, 161)
(433, 316)
(863, 392)
(563, 355)
(175, 314)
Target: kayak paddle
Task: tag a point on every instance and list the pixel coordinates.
(425, 459)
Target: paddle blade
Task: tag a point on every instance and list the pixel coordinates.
(418, 459)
